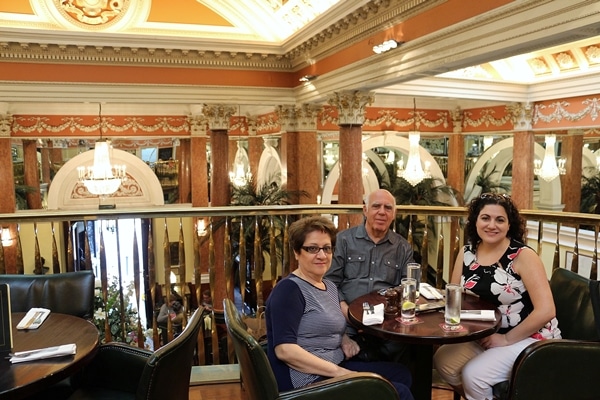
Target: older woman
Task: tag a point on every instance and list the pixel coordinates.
(305, 324)
(497, 266)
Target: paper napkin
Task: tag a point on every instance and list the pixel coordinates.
(429, 292)
(374, 316)
(47, 352)
(34, 318)
(478, 315)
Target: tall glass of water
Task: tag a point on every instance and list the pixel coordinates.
(408, 300)
(413, 271)
(453, 304)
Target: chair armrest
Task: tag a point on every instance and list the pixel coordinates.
(354, 386)
(556, 369)
(116, 366)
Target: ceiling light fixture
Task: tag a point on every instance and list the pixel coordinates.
(386, 46)
(414, 173)
(102, 178)
(548, 169)
(308, 78)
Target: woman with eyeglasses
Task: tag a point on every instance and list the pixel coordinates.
(305, 325)
(498, 266)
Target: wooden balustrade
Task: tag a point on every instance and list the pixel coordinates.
(552, 234)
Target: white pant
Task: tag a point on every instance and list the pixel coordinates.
(476, 369)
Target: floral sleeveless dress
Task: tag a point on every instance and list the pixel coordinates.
(500, 285)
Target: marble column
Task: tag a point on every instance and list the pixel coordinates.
(184, 157)
(570, 184)
(351, 115)
(7, 180)
(456, 154)
(523, 156)
(255, 147)
(286, 115)
(218, 117)
(32, 176)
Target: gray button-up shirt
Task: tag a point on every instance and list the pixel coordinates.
(360, 266)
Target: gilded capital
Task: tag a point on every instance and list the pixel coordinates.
(218, 115)
(457, 120)
(5, 124)
(286, 116)
(351, 106)
(197, 125)
(521, 115)
(306, 116)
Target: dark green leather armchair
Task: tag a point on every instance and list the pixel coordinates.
(565, 368)
(119, 371)
(67, 293)
(259, 382)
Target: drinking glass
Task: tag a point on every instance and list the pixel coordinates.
(413, 271)
(453, 303)
(409, 298)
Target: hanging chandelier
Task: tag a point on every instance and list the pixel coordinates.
(548, 169)
(241, 171)
(414, 173)
(102, 178)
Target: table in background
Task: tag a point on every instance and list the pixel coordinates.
(24, 379)
(425, 335)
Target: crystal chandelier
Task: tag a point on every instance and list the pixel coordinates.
(414, 173)
(548, 169)
(102, 178)
(241, 172)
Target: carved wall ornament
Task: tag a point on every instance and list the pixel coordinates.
(560, 111)
(6, 121)
(593, 54)
(486, 118)
(387, 118)
(93, 12)
(218, 115)
(521, 115)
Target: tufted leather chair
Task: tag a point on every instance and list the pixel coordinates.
(119, 371)
(260, 384)
(67, 293)
(566, 368)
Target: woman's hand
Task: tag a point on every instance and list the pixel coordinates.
(495, 340)
(349, 347)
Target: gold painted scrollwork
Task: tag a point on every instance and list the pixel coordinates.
(93, 12)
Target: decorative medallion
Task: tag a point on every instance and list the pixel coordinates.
(93, 12)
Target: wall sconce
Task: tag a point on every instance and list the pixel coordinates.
(386, 46)
(6, 238)
(201, 227)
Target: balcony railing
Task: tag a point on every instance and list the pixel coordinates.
(234, 237)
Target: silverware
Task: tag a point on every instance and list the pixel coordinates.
(33, 319)
(30, 352)
(470, 312)
(367, 307)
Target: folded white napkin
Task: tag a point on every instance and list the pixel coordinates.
(429, 292)
(40, 354)
(373, 317)
(478, 315)
(34, 318)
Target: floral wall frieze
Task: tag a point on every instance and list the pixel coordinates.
(268, 123)
(494, 117)
(77, 125)
(556, 111)
(388, 119)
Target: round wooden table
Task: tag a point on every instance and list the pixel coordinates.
(24, 379)
(424, 335)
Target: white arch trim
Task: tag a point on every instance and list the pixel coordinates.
(142, 188)
(269, 168)
(389, 140)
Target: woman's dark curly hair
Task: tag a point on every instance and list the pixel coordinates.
(299, 229)
(516, 222)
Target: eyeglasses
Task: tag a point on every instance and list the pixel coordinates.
(317, 249)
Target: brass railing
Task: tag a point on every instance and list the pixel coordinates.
(553, 234)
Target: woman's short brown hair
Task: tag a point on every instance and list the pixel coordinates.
(299, 229)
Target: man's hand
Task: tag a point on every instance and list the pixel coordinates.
(350, 347)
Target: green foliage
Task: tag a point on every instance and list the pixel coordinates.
(428, 192)
(590, 194)
(113, 305)
(21, 195)
(486, 180)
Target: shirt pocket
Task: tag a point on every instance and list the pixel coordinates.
(390, 271)
(356, 266)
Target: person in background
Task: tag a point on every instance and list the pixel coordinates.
(370, 257)
(496, 265)
(173, 310)
(305, 324)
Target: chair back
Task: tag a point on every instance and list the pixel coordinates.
(257, 376)
(167, 371)
(66, 293)
(573, 303)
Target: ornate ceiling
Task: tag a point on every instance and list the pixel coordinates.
(289, 35)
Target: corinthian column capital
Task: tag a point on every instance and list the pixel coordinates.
(351, 106)
(218, 115)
